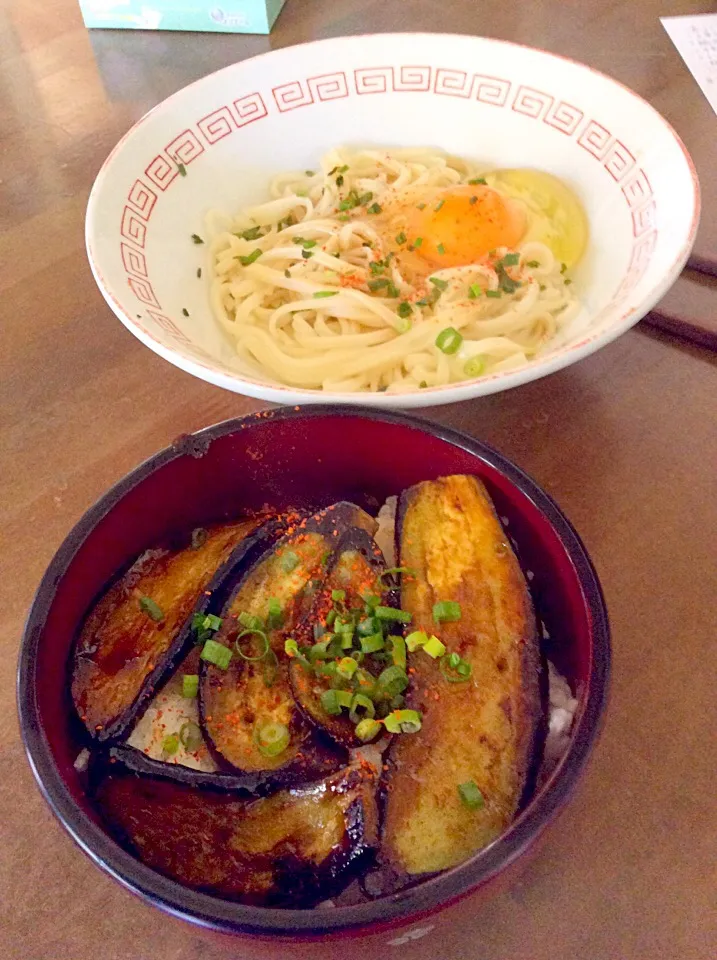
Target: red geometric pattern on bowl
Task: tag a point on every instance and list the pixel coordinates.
(538, 105)
(532, 103)
(301, 93)
(142, 199)
(384, 79)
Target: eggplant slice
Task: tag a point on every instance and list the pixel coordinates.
(234, 704)
(355, 568)
(291, 849)
(485, 730)
(141, 627)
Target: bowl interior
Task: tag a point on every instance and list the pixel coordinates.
(288, 459)
(496, 102)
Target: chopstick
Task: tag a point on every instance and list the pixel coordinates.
(689, 309)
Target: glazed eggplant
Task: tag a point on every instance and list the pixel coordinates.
(355, 569)
(141, 628)
(291, 849)
(247, 709)
(455, 786)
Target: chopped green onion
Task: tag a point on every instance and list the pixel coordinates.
(398, 651)
(371, 600)
(253, 233)
(343, 626)
(309, 173)
(196, 238)
(474, 367)
(511, 260)
(331, 617)
(474, 291)
(440, 284)
(254, 255)
(449, 340)
(250, 622)
(275, 616)
(438, 205)
(455, 670)
(365, 198)
(185, 312)
(392, 681)
(217, 654)
(563, 267)
(272, 738)
(333, 701)
(434, 648)
(190, 736)
(415, 640)
(320, 650)
(190, 685)
(493, 293)
(322, 294)
(404, 309)
(506, 283)
(401, 238)
(199, 538)
(289, 561)
(374, 208)
(366, 705)
(440, 248)
(473, 200)
(347, 667)
(378, 284)
(367, 627)
(372, 644)
(170, 744)
(478, 180)
(271, 668)
(392, 571)
(338, 596)
(420, 206)
(532, 264)
(182, 169)
(252, 633)
(340, 180)
(567, 282)
(392, 614)
(306, 254)
(291, 649)
(403, 721)
(153, 610)
(418, 241)
(367, 729)
(423, 384)
(446, 610)
(471, 795)
(287, 274)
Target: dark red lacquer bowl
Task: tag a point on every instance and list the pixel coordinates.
(308, 457)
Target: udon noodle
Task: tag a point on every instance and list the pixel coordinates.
(318, 290)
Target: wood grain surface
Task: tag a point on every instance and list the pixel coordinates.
(626, 441)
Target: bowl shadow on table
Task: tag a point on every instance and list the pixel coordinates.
(562, 430)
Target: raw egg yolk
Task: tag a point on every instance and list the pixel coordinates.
(462, 224)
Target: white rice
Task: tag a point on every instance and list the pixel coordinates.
(165, 715)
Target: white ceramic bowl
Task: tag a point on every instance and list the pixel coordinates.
(497, 102)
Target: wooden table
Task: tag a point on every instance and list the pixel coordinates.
(625, 441)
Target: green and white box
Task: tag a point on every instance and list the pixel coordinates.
(219, 16)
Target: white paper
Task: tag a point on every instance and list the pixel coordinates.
(696, 40)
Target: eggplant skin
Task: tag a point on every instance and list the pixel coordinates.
(291, 849)
(122, 656)
(485, 730)
(233, 703)
(355, 567)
